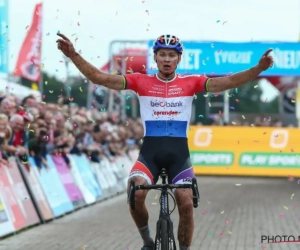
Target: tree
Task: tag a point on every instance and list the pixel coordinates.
(54, 88)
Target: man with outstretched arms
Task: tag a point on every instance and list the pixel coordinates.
(166, 103)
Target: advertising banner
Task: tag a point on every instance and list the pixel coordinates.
(87, 175)
(66, 178)
(8, 197)
(53, 188)
(220, 58)
(100, 176)
(87, 195)
(4, 36)
(38, 193)
(6, 226)
(22, 196)
(245, 151)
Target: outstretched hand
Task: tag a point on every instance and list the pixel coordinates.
(65, 45)
(266, 61)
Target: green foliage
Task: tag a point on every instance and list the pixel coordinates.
(54, 88)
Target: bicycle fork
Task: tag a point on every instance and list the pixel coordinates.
(164, 216)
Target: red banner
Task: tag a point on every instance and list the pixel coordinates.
(38, 193)
(22, 196)
(9, 198)
(29, 61)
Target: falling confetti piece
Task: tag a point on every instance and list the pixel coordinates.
(79, 13)
(238, 184)
(222, 212)
(51, 91)
(224, 22)
(229, 232)
(80, 89)
(154, 203)
(78, 23)
(292, 196)
(243, 116)
(255, 86)
(286, 208)
(200, 116)
(233, 123)
(218, 21)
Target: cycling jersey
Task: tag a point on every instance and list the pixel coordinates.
(165, 111)
(166, 106)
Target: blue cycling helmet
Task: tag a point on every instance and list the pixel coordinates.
(168, 42)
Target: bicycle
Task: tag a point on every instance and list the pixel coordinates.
(164, 239)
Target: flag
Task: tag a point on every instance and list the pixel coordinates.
(29, 60)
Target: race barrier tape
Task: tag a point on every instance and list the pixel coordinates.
(245, 151)
(42, 194)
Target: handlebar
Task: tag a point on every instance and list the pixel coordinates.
(133, 188)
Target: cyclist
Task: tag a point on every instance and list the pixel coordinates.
(165, 100)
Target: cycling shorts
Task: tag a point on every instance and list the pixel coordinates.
(171, 153)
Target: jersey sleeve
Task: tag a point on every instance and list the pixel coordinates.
(201, 83)
(132, 81)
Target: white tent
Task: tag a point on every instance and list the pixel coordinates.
(8, 87)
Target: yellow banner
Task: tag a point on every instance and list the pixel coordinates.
(245, 151)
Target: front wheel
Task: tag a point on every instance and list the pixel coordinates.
(164, 235)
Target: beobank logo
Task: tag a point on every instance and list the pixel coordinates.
(166, 104)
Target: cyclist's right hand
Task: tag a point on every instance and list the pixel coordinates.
(65, 45)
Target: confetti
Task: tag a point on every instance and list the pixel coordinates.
(292, 196)
(80, 89)
(238, 184)
(286, 207)
(243, 116)
(222, 212)
(218, 21)
(229, 232)
(224, 22)
(79, 13)
(255, 86)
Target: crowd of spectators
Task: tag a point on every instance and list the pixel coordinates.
(32, 128)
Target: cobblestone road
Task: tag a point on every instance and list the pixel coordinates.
(230, 216)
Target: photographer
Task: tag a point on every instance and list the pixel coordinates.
(37, 147)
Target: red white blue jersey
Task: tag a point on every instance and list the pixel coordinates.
(166, 106)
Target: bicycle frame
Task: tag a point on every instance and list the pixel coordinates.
(164, 204)
(164, 215)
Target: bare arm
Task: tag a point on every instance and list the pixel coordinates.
(116, 82)
(229, 82)
(220, 84)
(88, 70)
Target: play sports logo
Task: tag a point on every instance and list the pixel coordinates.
(166, 104)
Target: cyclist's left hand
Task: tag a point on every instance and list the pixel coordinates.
(266, 61)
